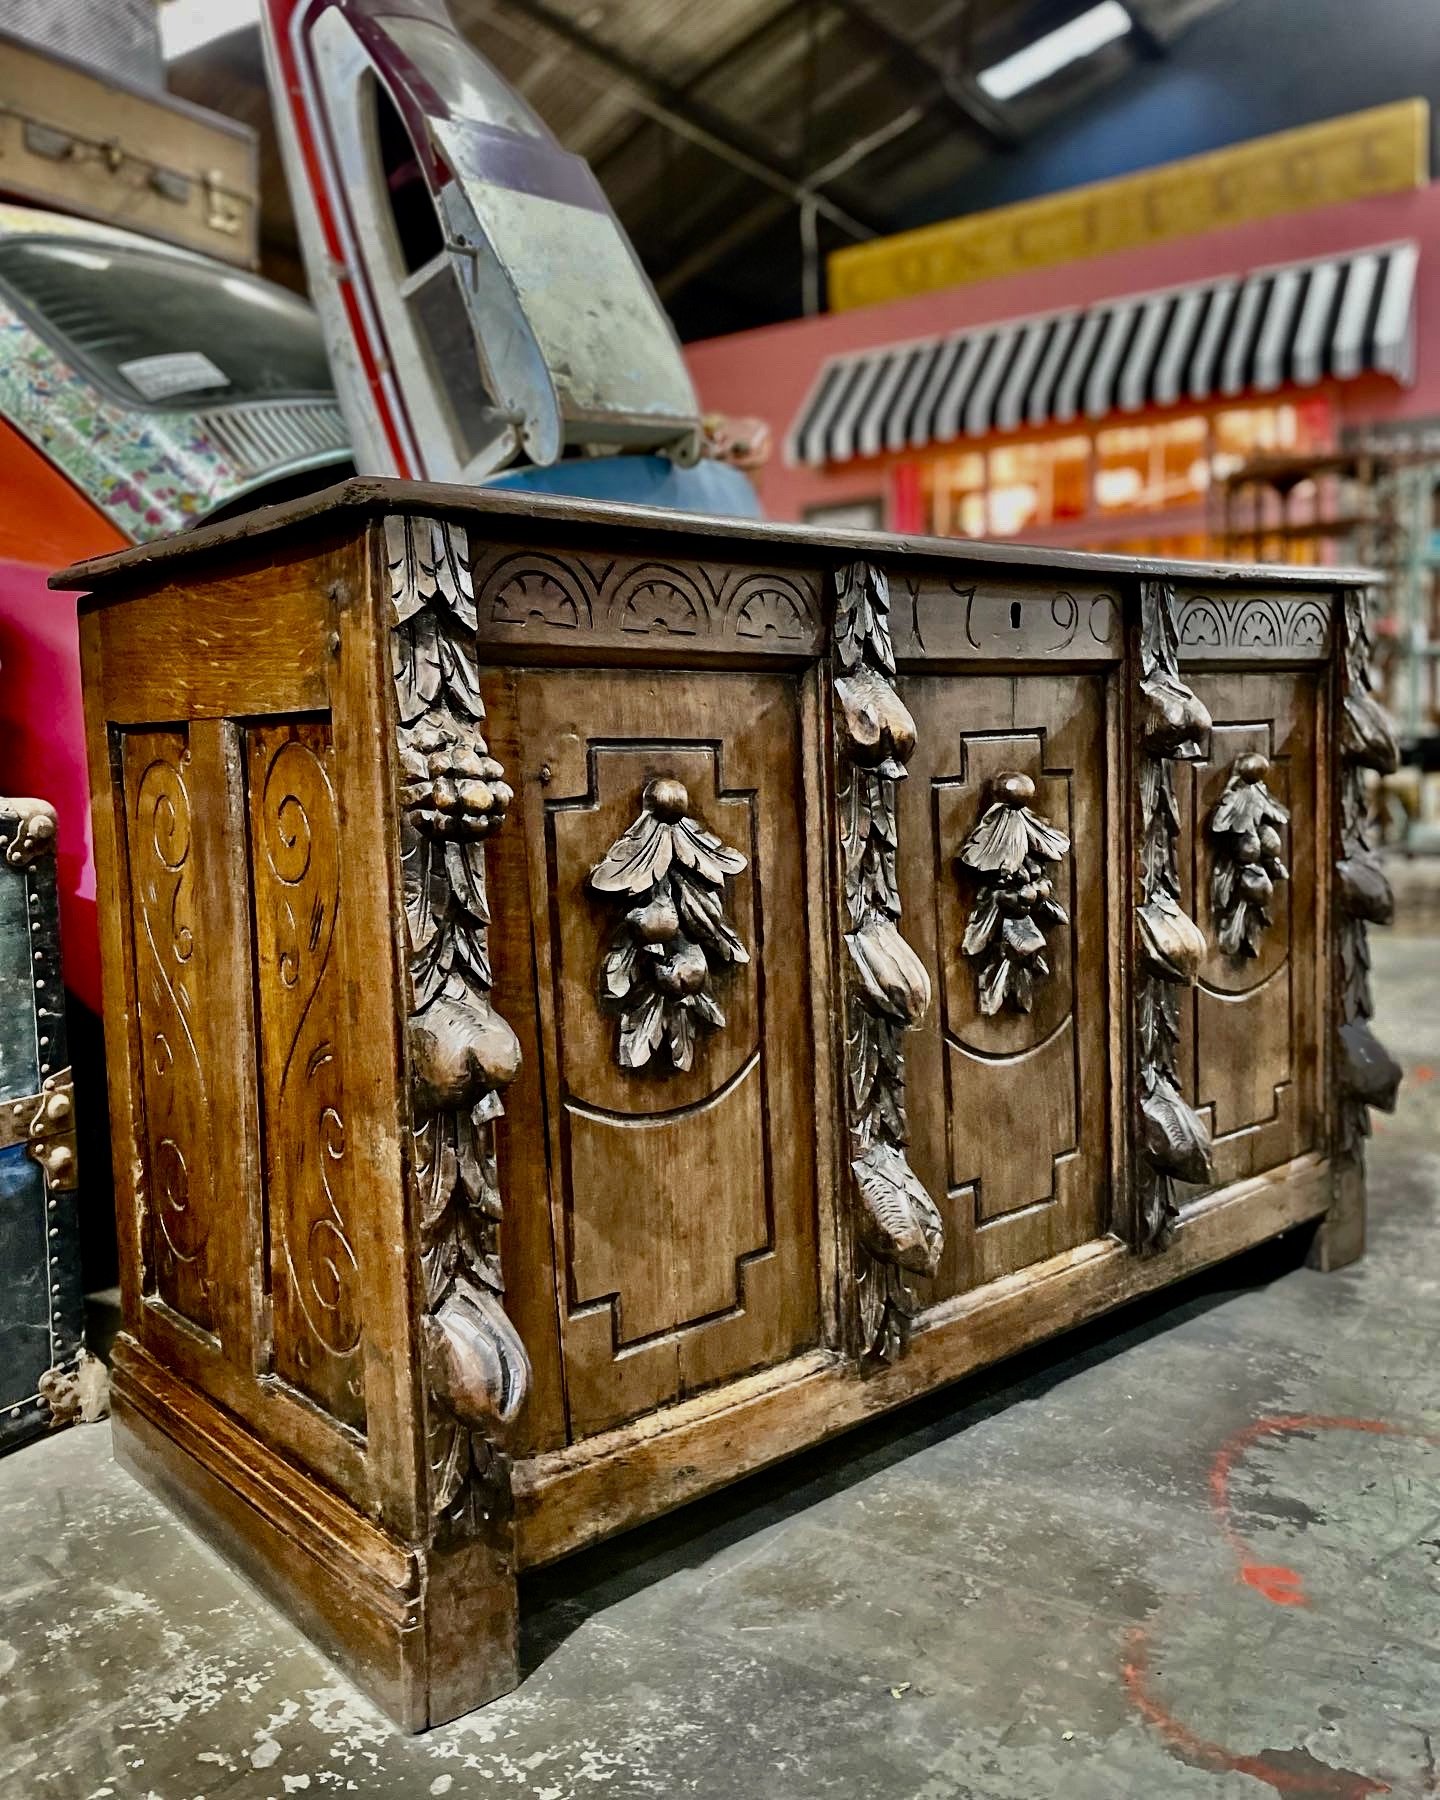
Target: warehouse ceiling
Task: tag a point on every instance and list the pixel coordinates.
(741, 140)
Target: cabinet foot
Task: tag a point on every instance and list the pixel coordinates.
(1340, 1236)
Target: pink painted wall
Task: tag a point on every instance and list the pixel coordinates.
(42, 749)
(768, 372)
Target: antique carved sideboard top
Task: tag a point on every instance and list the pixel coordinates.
(598, 999)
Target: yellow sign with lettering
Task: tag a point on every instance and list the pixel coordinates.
(1380, 151)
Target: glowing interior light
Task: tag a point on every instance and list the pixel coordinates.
(1037, 62)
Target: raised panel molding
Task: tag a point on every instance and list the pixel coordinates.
(1027, 1065)
(1242, 1026)
(639, 1136)
(672, 1274)
(314, 1277)
(1011, 1112)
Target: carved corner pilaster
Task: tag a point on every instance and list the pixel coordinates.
(1174, 726)
(1366, 1074)
(461, 1053)
(898, 1229)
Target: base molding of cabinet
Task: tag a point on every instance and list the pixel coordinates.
(567, 1499)
(382, 1609)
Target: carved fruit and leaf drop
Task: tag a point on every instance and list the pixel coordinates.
(658, 973)
(461, 1053)
(1015, 906)
(1368, 1076)
(898, 1227)
(1245, 827)
(1174, 726)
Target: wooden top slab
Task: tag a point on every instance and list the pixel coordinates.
(496, 511)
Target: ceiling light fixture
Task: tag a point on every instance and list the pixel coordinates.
(187, 24)
(1037, 62)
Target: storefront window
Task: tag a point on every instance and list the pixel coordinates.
(1147, 468)
(957, 496)
(1129, 469)
(1015, 500)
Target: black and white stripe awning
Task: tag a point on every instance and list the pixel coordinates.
(1239, 334)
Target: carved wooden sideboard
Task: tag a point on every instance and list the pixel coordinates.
(597, 1001)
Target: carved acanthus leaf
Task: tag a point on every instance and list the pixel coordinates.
(657, 975)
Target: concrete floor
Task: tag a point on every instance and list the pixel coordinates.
(1193, 1551)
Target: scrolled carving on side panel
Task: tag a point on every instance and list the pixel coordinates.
(1016, 905)
(295, 874)
(1174, 726)
(461, 1053)
(898, 1226)
(1245, 826)
(176, 1096)
(1366, 1074)
(658, 972)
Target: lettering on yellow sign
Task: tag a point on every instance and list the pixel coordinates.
(1383, 150)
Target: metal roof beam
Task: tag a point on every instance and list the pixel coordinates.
(693, 119)
(960, 93)
(732, 53)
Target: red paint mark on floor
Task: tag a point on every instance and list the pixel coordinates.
(1422, 1072)
(1315, 1782)
(1281, 1586)
(1291, 1772)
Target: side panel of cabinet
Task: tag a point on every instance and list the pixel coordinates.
(683, 1200)
(1250, 1036)
(1008, 1109)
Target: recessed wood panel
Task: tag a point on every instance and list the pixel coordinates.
(169, 961)
(1249, 1034)
(685, 1199)
(311, 1267)
(1008, 1111)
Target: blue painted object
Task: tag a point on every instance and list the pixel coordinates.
(710, 487)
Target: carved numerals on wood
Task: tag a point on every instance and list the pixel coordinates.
(462, 1054)
(295, 870)
(1174, 726)
(1367, 1074)
(1245, 826)
(659, 971)
(176, 1097)
(898, 1226)
(1005, 934)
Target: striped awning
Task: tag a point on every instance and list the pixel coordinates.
(1277, 327)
